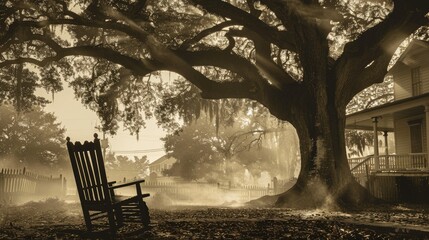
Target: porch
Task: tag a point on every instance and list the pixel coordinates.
(408, 119)
(400, 174)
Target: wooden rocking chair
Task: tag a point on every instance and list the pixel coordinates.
(97, 195)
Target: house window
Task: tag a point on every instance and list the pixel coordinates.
(415, 81)
(416, 136)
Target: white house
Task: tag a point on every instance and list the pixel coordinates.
(157, 167)
(404, 175)
(407, 116)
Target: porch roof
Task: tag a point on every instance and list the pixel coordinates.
(363, 119)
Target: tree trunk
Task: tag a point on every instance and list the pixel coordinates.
(319, 118)
(325, 179)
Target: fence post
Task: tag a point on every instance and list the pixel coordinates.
(275, 185)
(64, 186)
(19, 181)
(1, 183)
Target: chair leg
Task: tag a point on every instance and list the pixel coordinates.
(112, 224)
(144, 213)
(119, 216)
(87, 219)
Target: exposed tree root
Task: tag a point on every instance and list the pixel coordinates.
(315, 195)
(355, 195)
(265, 201)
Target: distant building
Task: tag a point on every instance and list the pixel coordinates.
(157, 167)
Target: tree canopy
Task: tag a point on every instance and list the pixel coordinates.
(249, 49)
(304, 60)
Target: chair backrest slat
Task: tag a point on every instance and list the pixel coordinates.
(75, 162)
(93, 166)
(89, 171)
(89, 174)
(84, 172)
(96, 166)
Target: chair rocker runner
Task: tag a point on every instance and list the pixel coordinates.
(97, 195)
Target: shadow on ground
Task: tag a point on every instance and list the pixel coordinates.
(55, 219)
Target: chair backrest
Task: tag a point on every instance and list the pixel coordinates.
(89, 172)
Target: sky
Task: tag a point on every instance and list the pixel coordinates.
(80, 124)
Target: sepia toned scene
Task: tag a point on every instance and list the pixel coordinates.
(214, 119)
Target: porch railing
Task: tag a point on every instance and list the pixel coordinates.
(387, 186)
(411, 161)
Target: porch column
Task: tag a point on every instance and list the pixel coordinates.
(375, 126)
(386, 149)
(427, 134)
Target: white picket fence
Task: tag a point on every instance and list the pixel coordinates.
(17, 185)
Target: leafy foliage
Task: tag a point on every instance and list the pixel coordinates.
(181, 99)
(226, 154)
(120, 167)
(357, 141)
(18, 86)
(373, 96)
(378, 94)
(33, 139)
(358, 16)
(195, 152)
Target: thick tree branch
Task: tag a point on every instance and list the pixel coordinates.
(137, 66)
(282, 39)
(282, 103)
(255, 12)
(221, 89)
(206, 32)
(365, 60)
(263, 61)
(225, 60)
(374, 73)
(18, 28)
(307, 10)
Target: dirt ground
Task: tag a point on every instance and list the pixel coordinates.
(55, 219)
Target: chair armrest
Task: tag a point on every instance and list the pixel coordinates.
(112, 192)
(126, 184)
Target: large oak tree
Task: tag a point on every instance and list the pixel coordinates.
(304, 60)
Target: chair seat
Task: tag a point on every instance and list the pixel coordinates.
(131, 208)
